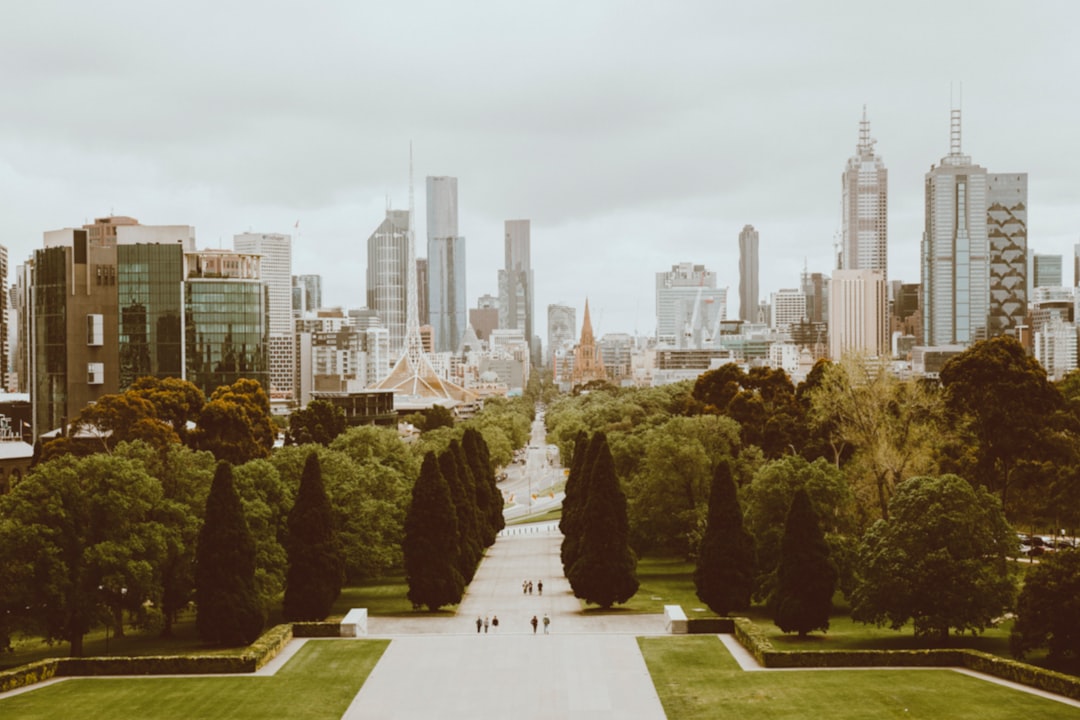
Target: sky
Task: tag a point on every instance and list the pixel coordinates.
(633, 135)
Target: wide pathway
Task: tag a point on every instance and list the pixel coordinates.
(589, 666)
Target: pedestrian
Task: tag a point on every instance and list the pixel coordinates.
(524, 586)
(540, 587)
(495, 623)
(479, 624)
(530, 587)
(486, 623)
(547, 621)
(533, 623)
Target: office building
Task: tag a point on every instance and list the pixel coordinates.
(276, 272)
(516, 280)
(387, 275)
(307, 294)
(788, 308)
(446, 305)
(748, 274)
(1006, 230)
(1046, 270)
(865, 184)
(688, 305)
(484, 317)
(858, 314)
(562, 328)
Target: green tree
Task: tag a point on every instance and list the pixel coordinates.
(1002, 397)
(320, 422)
(939, 560)
(430, 545)
(229, 609)
(235, 424)
(604, 572)
(79, 541)
(1048, 610)
(489, 497)
(805, 577)
(316, 565)
(176, 402)
(468, 542)
(266, 499)
(724, 575)
(577, 481)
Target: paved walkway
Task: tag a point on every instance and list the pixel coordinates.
(589, 666)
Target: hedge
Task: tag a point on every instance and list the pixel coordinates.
(710, 626)
(753, 638)
(29, 674)
(316, 629)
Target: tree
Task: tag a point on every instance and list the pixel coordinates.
(79, 542)
(489, 496)
(320, 422)
(229, 610)
(266, 499)
(724, 575)
(430, 545)
(604, 572)
(805, 577)
(570, 524)
(939, 560)
(1003, 398)
(316, 565)
(235, 424)
(1048, 610)
(464, 499)
(176, 402)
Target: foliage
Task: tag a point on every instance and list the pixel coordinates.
(235, 423)
(940, 560)
(459, 480)
(489, 498)
(430, 545)
(229, 611)
(570, 524)
(768, 501)
(603, 573)
(266, 499)
(176, 402)
(805, 576)
(316, 565)
(1001, 396)
(1048, 610)
(431, 418)
(79, 542)
(724, 576)
(320, 422)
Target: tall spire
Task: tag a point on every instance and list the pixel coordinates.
(866, 143)
(954, 132)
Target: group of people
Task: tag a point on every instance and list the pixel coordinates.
(534, 622)
(483, 623)
(527, 587)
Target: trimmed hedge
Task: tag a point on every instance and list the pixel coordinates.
(710, 626)
(316, 629)
(29, 674)
(753, 638)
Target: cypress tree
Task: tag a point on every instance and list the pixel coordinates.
(430, 545)
(603, 573)
(316, 563)
(485, 536)
(574, 500)
(228, 608)
(479, 457)
(805, 576)
(724, 576)
(468, 546)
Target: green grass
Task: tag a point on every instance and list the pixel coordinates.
(662, 581)
(547, 516)
(382, 597)
(319, 682)
(696, 677)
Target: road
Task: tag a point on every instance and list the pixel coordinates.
(538, 475)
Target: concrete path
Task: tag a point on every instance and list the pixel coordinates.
(589, 666)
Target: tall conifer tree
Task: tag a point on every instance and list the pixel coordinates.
(228, 610)
(724, 576)
(574, 500)
(805, 577)
(468, 545)
(431, 541)
(316, 564)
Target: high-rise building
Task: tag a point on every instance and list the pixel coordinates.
(423, 289)
(276, 272)
(387, 275)
(484, 317)
(1046, 270)
(858, 314)
(815, 286)
(687, 304)
(1076, 265)
(955, 251)
(516, 280)
(446, 306)
(310, 287)
(5, 359)
(748, 274)
(788, 308)
(1006, 230)
(562, 328)
(865, 185)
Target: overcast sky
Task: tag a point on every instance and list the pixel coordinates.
(633, 135)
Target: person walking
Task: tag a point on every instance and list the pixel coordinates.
(533, 622)
(486, 623)
(494, 623)
(479, 624)
(547, 621)
(530, 587)
(524, 586)
(540, 587)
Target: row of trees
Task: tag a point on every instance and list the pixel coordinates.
(456, 511)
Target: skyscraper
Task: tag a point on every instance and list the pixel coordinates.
(516, 281)
(688, 303)
(748, 274)
(276, 272)
(1046, 270)
(387, 275)
(865, 185)
(1006, 230)
(858, 314)
(955, 252)
(446, 307)
(562, 327)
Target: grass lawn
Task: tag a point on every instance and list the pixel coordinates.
(696, 677)
(385, 596)
(548, 516)
(663, 581)
(318, 682)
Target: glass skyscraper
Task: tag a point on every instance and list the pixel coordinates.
(446, 305)
(865, 205)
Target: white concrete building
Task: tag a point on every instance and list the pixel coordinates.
(276, 251)
(858, 314)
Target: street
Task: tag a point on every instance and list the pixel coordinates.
(538, 475)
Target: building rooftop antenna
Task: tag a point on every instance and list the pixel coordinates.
(866, 143)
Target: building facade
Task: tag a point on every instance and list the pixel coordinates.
(446, 299)
(1006, 230)
(788, 308)
(276, 272)
(748, 274)
(387, 275)
(858, 314)
(562, 328)
(1046, 271)
(688, 304)
(516, 280)
(865, 185)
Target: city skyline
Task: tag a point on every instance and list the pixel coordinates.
(748, 119)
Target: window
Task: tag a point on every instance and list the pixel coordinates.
(95, 330)
(95, 373)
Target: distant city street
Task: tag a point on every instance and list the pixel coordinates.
(537, 472)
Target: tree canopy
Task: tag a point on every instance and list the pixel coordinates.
(431, 541)
(316, 564)
(235, 423)
(724, 575)
(805, 576)
(320, 422)
(1048, 610)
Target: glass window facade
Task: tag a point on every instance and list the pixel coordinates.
(150, 282)
(50, 331)
(226, 333)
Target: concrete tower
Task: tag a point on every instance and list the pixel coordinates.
(446, 305)
(865, 204)
(276, 271)
(748, 274)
